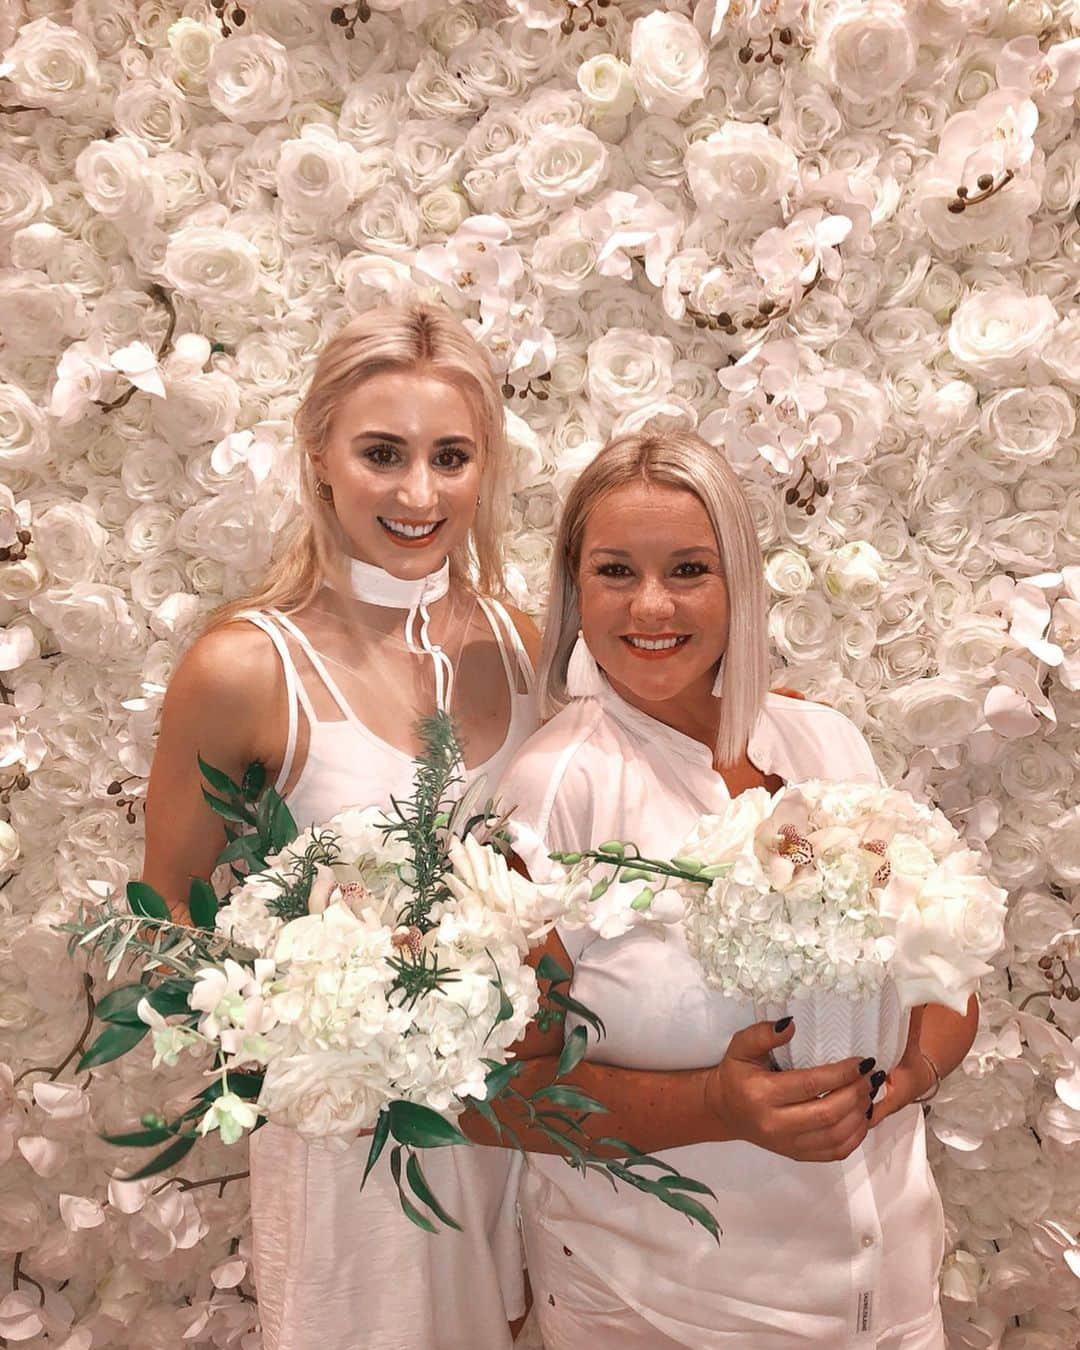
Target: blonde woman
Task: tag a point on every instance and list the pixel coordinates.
(383, 607)
(655, 666)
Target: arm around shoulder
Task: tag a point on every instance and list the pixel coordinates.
(218, 706)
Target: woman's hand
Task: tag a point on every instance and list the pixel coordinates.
(810, 1115)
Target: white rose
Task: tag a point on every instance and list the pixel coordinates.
(607, 85)
(24, 197)
(35, 315)
(248, 79)
(428, 152)
(867, 49)
(117, 179)
(1061, 354)
(857, 572)
(212, 266)
(70, 541)
(669, 62)
(948, 409)
(52, 67)
(559, 164)
(787, 572)
(191, 46)
(374, 109)
(316, 173)
(199, 409)
(1063, 847)
(940, 711)
(741, 171)
(151, 112)
(24, 439)
(808, 116)
(803, 627)
(629, 369)
(996, 333)
(323, 1093)
(88, 620)
(1028, 424)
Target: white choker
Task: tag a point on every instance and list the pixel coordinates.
(375, 586)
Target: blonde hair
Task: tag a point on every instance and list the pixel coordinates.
(421, 338)
(677, 459)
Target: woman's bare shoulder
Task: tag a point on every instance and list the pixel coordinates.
(233, 667)
(527, 631)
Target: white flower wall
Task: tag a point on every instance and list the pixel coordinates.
(841, 239)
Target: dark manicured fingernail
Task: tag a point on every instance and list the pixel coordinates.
(870, 1111)
(876, 1079)
(782, 1025)
(866, 1065)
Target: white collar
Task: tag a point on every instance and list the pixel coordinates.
(376, 586)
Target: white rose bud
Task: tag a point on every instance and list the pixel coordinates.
(857, 572)
(669, 62)
(607, 84)
(787, 572)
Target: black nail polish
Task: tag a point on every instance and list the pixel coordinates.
(782, 1025)
(867, 1064)
(870, 1111)
(876, 1079)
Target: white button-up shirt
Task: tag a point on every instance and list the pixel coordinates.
(828, 1254)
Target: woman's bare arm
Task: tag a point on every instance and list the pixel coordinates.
(225, 703)
(945, 1036)
(816, 1115)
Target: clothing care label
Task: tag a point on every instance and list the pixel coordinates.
(864, 1310)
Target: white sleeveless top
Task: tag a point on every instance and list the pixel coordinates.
(827, 1255)
(335, 1267)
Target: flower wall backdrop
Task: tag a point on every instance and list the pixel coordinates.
(839, 238)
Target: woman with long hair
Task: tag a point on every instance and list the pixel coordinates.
(654, 669)
(384, 606)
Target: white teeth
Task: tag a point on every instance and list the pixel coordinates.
(409, 531)
(654, 644)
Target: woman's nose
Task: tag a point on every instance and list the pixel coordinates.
(652, 601)
(416, 489)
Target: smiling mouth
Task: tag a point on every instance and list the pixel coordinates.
(655, 646)
(410, 533)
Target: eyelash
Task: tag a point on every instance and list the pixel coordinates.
(374, 454)
(620, 571)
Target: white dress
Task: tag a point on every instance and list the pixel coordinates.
(838, 1256)
(341, 1269)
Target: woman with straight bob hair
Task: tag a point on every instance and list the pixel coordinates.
(384, 606)
(655, 665)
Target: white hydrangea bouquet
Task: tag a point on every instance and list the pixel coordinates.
(842, 904)
(366, 974)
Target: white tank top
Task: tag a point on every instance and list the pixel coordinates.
(347, 764)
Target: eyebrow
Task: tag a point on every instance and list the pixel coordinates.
(401, 440)
(675, 553)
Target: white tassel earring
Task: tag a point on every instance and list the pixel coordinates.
(718, 683)
(583, 678)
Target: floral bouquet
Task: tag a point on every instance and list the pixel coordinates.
(366, 974)
(840, 903)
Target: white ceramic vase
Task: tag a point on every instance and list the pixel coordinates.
(831, 1026)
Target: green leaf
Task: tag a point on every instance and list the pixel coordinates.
(579, 1009)
(171, 997)
(168, 1157)
(202, 902)
(547, 968)
(573, 1051)
(574, 1154)
(244, 1084)
(693, 1210)
(114, 1041)
(246, 848)
(574, 1126)
(218, 779)
(483, 1109)
(227, 811)
(120, 1004)
(254, 780)
(420, 1127)
(411, 1212)
(499, 1076)
(139, 1139)
(424, 1194)
(563, 1095)
(680, 1183)
(281, 827)
(146, 902)
(379, 1136)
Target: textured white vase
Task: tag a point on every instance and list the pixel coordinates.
(831, 1026)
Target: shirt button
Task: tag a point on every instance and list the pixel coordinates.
(867, 1241)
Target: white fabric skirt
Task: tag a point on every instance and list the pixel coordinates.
(337, 1268)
